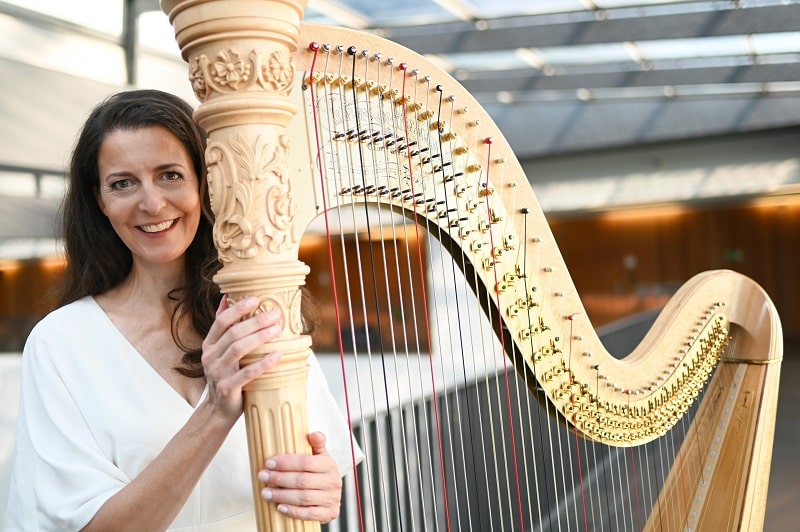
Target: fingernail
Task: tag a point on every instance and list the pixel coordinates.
(271, 464)
(263, 476)
(250, 301)
(273, 315)
(266, 494)
(282, 508)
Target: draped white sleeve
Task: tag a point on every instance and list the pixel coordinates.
(93, 414)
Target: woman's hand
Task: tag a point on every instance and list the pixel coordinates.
(303, 486)
(231, 337)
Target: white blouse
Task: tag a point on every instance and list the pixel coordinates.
(93, 414)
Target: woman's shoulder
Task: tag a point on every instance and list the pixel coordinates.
(78, 310)
(73, 319)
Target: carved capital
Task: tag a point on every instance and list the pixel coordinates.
(251, 197)
(232, 70)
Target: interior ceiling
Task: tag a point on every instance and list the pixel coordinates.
(592, 74)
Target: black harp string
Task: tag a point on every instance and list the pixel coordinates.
(383, 190)
(362, 136)
(377, 499)
(460, 310)
(351, 51)
(453, 418)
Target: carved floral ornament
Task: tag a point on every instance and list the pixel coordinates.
(251, 196)
(287, 303)
(230, 71)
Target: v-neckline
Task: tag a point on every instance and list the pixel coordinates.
(140, 359)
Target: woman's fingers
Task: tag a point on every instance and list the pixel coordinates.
(317, 441)
(317, 496)
(226, 316)
(235, 333)
(323, 514)
(303, 486)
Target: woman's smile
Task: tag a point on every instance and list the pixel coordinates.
(157, 227)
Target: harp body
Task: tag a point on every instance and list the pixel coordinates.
(314, 123)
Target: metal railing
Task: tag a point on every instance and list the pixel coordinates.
(418, 478)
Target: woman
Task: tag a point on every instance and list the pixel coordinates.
(131, 402)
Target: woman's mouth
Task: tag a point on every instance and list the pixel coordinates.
(157, 228)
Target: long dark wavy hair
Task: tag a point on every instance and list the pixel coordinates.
(97, 260)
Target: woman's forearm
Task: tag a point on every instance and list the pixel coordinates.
(153, 499)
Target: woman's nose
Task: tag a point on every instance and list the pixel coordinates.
(152, 200)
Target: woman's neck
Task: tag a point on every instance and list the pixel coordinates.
(149, 288)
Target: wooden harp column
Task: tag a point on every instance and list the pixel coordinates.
(240, 67)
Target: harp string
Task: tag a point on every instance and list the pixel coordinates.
(356, 162)
(499, 453)
(577, 437)
(471, 316)
(337, 313)
(454, 422)
(428, 337)
(499, 314)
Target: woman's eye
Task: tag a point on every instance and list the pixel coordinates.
(121, 184)
(172, 176)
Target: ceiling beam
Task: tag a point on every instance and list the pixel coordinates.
(549, 128)
(534, 80)
(535, 31)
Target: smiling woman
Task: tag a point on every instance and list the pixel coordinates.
(131, 391)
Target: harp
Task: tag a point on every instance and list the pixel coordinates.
(313, 123)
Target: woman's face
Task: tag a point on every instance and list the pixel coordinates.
(149, 192)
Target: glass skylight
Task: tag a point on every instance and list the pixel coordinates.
(776, 43)
(500, 8)
(582, 55)
(694, 48)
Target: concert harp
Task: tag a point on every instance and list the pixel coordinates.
(308, 122)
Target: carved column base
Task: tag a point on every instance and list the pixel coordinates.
(275, 404)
